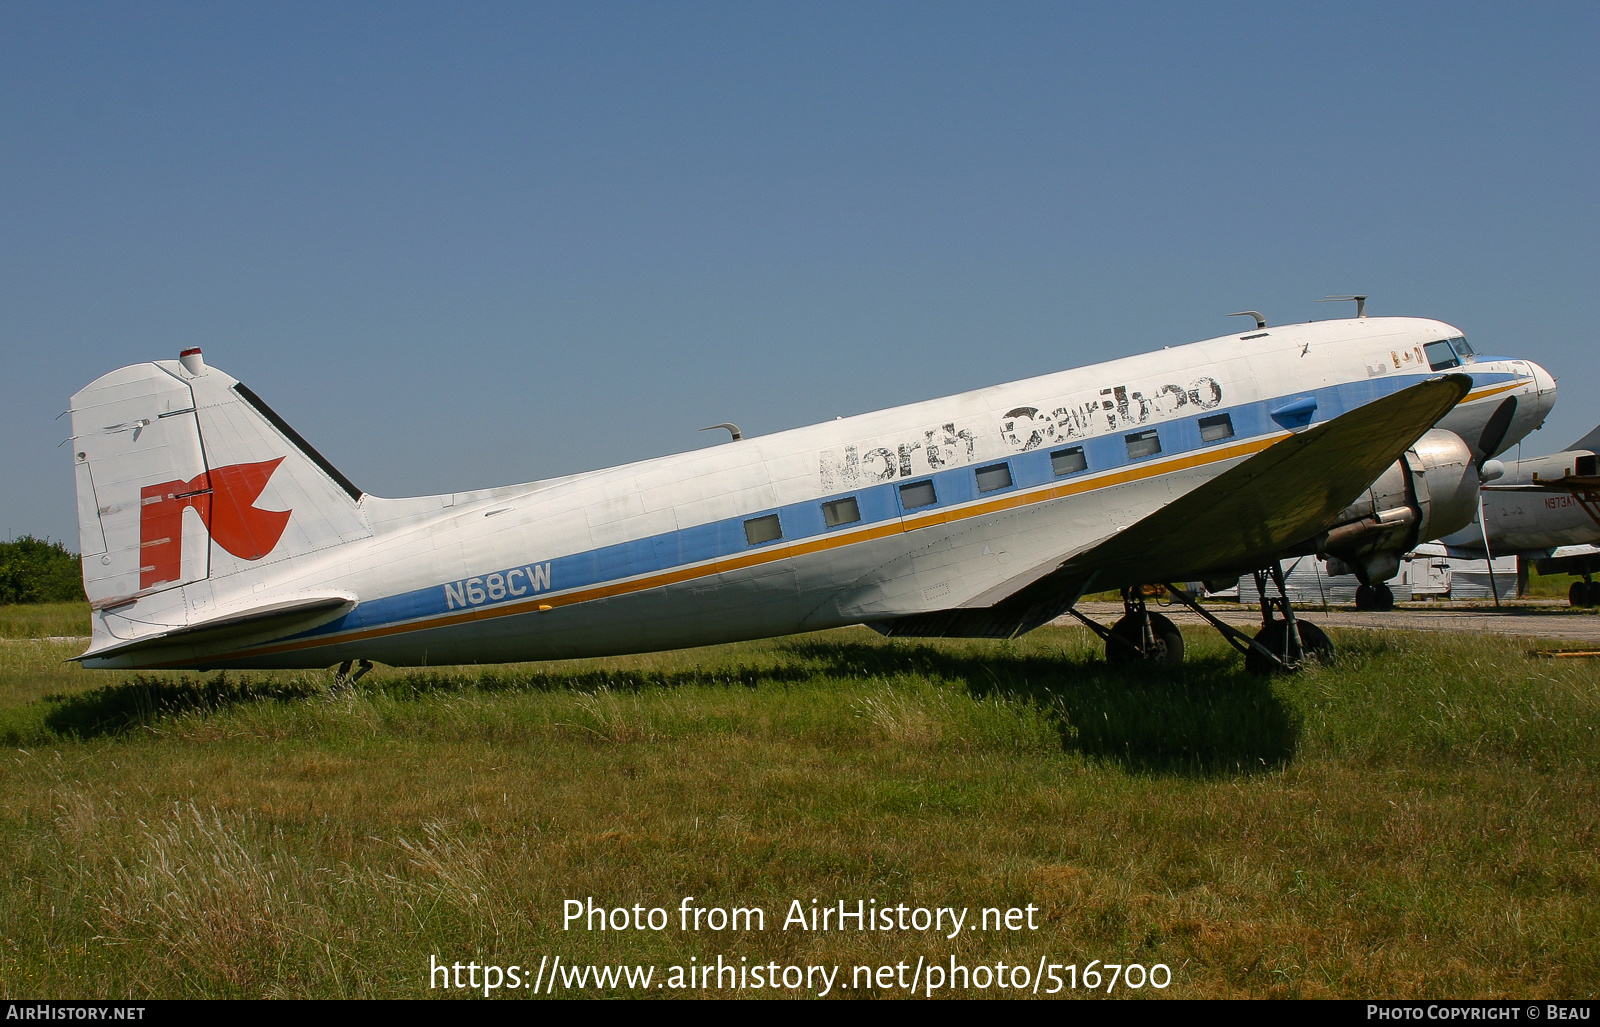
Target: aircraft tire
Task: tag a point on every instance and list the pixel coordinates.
(1313, 640)
(1169, 642)
(1364, 597)
(1582, 594)
(1382, 597)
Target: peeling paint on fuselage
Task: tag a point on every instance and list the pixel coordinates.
(1023, 428)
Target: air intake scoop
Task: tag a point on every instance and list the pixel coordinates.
(1296, 413)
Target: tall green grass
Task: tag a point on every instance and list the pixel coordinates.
(44, 620)
(1417, 819)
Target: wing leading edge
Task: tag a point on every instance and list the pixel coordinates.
(1233, 523)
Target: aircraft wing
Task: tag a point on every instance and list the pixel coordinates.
(1233, 523)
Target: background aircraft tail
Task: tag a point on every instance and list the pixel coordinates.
(184, 474)
(1590, 442)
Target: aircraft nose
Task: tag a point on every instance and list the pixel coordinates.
(1544, 388)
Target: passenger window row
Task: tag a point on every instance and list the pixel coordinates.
(915, 495)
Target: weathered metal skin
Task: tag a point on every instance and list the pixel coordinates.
(213, 536)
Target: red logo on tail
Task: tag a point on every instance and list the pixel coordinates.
(225, 500)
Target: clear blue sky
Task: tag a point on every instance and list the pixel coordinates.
(459, 245)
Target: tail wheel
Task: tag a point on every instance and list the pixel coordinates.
(1314, 642)
(1167, 646)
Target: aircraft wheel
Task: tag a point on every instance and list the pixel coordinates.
(1364, 598)
(1275, 636)
(1168, 642)
(1582, 594)
(1383, 597)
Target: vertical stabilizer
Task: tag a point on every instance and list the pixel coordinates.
(184, 475)
(136, 442)
(1589, 443)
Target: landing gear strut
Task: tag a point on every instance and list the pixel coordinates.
(1139, 636)
(1285, 642)
(1374, 597)
(343, 679)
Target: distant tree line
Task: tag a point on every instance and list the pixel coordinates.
(38, 571)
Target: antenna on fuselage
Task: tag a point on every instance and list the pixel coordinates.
(1361, 303)
(1261, 322)
(733, 429)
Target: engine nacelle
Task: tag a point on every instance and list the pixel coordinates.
(1428, 493)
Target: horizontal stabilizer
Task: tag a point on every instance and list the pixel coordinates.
(261, 622)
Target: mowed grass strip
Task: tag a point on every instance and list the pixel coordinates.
(1418, 819)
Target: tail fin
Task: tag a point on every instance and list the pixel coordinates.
(1590, 442)
(184, 474)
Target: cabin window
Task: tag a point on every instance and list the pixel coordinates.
(1440, 355)
(994, 477)
(841, 511)
(917, 494)
(1143, 444)
(763, 529)
(1216, 428)
(1068, 461)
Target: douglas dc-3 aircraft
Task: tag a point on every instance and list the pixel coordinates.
(214, 536)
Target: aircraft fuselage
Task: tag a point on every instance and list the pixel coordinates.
(950, 503)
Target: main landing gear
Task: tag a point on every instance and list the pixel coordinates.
(344, 680)
(1141, 636)
(1284, 642)
(1374, 597)
(1584, 593)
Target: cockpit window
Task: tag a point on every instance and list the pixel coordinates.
(1440, 355)
(1462, 349)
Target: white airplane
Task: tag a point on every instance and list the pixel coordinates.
(214, 536)
(1544, 510)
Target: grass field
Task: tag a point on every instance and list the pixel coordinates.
(1553, 586)
(44, 620)
(1419, 819)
